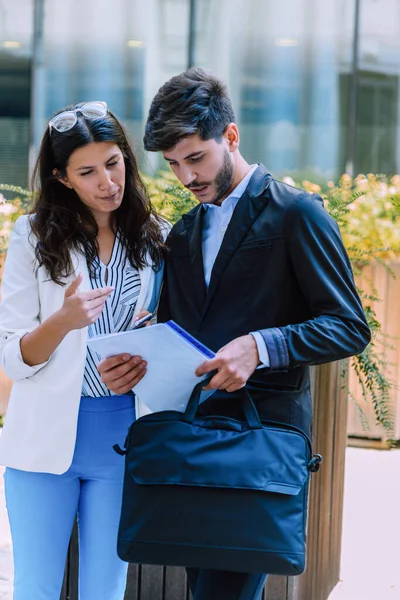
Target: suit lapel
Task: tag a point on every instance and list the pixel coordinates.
(193, 225)
(247, 210)
(251, 203)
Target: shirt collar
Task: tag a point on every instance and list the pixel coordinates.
(231, 200)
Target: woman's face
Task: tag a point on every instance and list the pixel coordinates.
(97, 174)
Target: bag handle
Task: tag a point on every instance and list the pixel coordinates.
(249, 409)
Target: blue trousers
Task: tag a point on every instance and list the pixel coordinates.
(42, 508)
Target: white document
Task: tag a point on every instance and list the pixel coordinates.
(172, 357)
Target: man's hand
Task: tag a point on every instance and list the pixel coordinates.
(122, 372)
(235, 363)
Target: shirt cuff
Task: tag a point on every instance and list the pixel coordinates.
(262, 349)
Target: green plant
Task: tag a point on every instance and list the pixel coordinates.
(367, 211)
(11, 209)
(168, 195)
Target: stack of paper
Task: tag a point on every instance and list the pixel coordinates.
(172, 356)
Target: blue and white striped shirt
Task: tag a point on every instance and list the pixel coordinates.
(117, 313)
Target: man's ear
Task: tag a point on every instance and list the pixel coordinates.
(231, 134)
(62, 179)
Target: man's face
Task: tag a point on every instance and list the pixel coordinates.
(204, 167)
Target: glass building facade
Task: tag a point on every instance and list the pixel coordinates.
(315, 83)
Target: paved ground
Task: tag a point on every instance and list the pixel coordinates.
(371, 529)
(370, 568)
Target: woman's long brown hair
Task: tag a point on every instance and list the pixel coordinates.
(61, 222)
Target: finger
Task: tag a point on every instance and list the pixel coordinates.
(140, 315)
(219, 382)
(127, 380)
(95, 303)
(92, 317)
(235, 387)
(131, 384)
(121, 390)
(209, 365)
(111, 362)
(73, 286)
(120, 371)
(103, 292)
(94, 312)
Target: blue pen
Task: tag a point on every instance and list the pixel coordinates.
(140, 322)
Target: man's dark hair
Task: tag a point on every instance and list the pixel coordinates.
(194, 102)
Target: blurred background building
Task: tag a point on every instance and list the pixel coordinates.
(315, 83)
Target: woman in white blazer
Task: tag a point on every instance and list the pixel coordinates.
(87, 261)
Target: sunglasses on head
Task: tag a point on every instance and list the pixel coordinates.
(66, 120)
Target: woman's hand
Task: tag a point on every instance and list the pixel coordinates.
(122, 372)
(77, 311)
(82, 309)
(139, 316)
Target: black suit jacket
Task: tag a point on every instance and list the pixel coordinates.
(281, 269)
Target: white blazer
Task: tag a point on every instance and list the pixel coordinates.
(40, 427)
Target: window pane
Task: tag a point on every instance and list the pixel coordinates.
(15, 80)
(282, 61)
(378, 128)
(122, 57)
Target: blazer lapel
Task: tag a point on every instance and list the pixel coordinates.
(193, 225)
(246, 211)
(146, 286)
(80, 266)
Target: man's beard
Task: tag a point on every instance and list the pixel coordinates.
(224, 179)
(222, 182)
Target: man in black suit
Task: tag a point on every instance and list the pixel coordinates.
(257, 272)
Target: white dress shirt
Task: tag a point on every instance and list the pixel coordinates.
(215, 223)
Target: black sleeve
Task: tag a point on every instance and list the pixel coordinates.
(338, 328)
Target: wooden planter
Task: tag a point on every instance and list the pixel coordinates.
(387, 288)
(324, 524)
